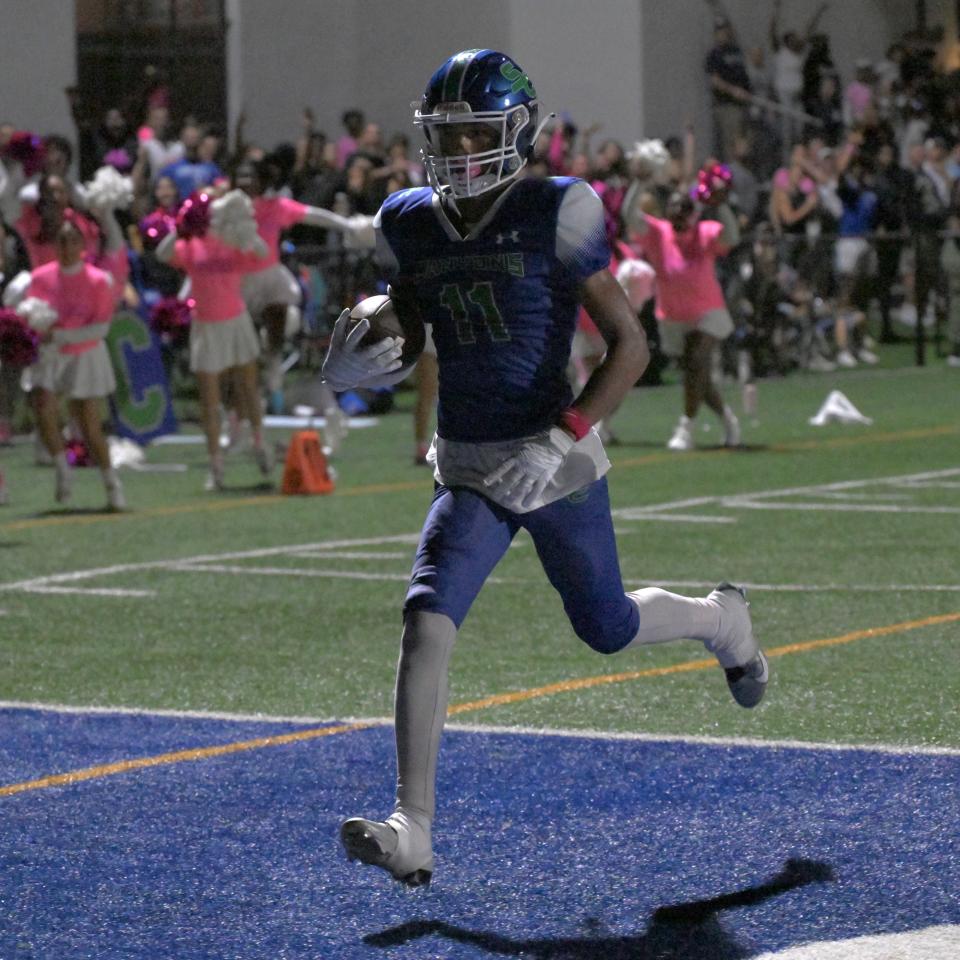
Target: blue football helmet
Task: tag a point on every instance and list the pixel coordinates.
(485, 88)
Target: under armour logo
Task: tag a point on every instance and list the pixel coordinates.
(513, 236)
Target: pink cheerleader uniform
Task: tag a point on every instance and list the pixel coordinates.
(76, 363)
(222, 334)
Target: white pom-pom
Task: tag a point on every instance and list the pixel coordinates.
(652, 154)
(16, 289)
(38, 313)
(109, 190)
(232, 220)
(637, 278)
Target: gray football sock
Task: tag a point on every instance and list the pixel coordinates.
(670, 616)
(421, 707)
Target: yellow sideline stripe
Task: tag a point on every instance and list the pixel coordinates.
(179, 756)
(205, 506)
(584, 683)
(501, 699)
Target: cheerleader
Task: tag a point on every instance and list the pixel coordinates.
(270, 290)
(39, 223)
(223, 340)
(79, 299)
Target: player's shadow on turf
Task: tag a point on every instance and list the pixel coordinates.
(683, 931)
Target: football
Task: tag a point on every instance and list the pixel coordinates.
(385, 321)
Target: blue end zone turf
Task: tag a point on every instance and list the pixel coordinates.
(547, 847)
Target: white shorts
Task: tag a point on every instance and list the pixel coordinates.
(851, 256)
(222, 344)
(673, 333)
(276, 284)
(78, 376)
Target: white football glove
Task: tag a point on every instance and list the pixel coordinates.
(348, 365)
(525, 476)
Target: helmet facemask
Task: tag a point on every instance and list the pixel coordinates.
(462, 176)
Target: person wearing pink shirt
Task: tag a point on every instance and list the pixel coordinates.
(74, 360)
(39, 223)
(223, 340)
(270, 289)
(691, 311)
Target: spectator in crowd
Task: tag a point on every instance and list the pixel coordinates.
(56, 162)
(825, 111)
(353, 124)
(745, 189)
(818, 65)
(788, 50)
(196, 168)
(729, 85)
(894, 188)
(858, 97)
(950, 263)
(855, 260)
(157, 148)
(930, 213)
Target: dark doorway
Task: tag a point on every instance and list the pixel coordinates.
(131, 52)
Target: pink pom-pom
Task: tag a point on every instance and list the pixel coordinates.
(77, 453)
(193, 218)
(28, 150)
(119, 159)
(145, 133)
(170, 319)
(19, 343)
(712, 184)
(155, 226)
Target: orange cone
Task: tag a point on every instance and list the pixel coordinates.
(306, 469)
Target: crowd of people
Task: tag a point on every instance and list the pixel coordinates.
(837, 196)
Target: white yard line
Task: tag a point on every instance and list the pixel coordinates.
(287, 572)
(581, 734)
(92, 591)
(349, 548)
(931, 943)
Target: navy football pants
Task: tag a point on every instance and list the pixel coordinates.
(465, 535)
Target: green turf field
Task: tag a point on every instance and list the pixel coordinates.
(868, 565)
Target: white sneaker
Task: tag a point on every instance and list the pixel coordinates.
(264, 458)
(682, 438)
(820, 364)
(238, 440)
(846, 359)
(731, 429)
(64, 486)
(334, 429)
(867, 356)
(41, 455)
(734, 646)
(953, 360)
(401, 846)
(214, 481)
(115, 498)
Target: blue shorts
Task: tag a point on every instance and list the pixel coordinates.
(465, 535)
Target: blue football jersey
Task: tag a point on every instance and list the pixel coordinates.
(502, 301)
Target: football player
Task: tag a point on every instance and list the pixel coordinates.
(497, 263)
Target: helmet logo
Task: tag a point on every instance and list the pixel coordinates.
(518, 79)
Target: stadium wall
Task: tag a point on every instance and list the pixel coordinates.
(38, 59)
